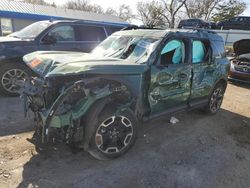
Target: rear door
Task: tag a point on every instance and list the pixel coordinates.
(203, 71)
(171, 77)
(89, 36)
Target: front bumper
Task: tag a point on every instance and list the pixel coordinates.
(239, 76)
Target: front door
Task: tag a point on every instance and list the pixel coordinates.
(65, 39)
(171, 77)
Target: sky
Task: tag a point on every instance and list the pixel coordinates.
(106, 3)
(116, 3)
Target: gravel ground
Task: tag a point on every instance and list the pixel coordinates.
(199, 151)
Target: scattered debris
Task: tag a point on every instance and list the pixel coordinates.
(16, 137)
(174, 120)
(6, 175)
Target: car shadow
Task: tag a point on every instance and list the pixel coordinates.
(240, 84)
(12, 119)
(156, 151)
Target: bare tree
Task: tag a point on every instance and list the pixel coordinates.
(170, 10)
(37, 2)
(124, 12)
(149, 13)
(83, 5)
(202, 8)
(160, 12)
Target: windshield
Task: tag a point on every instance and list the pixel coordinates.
(32, 30)
(132, 48)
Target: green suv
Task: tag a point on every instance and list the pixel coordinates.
(97, 100)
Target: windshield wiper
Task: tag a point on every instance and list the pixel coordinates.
(115, 52)
(14, 36)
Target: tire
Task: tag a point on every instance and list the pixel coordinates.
(111, 135)
(215, 99)
(9, 73)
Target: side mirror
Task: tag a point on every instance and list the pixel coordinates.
(49, 39)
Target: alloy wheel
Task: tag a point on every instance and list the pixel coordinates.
(114, 134)
(11, 77)
(216, 100)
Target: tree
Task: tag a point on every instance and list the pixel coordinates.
(164, 12)
(149, 13)
(37, 2)
(170, 10)
(202, 9)
(228, 10)
(83, 5)
(124, 12)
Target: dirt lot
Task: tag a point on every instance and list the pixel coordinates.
(199, 151)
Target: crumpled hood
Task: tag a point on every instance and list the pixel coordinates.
(59, 63)
(242, 47)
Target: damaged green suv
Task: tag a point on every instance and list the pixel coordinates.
(96, 101)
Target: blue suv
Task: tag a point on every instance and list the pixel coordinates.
(60, 35)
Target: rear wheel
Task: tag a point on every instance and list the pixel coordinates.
(112, 135)
(216, 99)
(9, 75)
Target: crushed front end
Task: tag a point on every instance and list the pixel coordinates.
(58, 109)
(60, 103)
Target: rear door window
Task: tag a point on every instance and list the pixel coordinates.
(90, 33)
(198, 51)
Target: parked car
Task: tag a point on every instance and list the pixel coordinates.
(195, 23)
(96, 100)
(239, 22)
(240, 64)
(46, 35)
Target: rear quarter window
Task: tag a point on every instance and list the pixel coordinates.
(218, 48)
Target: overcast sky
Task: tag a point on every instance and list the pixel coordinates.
(116, 3)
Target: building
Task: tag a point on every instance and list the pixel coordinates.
(16, 15)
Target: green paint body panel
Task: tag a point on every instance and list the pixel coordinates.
(59, 121)
(157, 88)
(167, 88)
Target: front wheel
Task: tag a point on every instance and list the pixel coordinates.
(113, 134)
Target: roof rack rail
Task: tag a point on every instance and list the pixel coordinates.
(134, 27)
(200, 29)
(203, 30)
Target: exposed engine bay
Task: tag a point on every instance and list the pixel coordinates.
(240, 64)
(59, 108)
